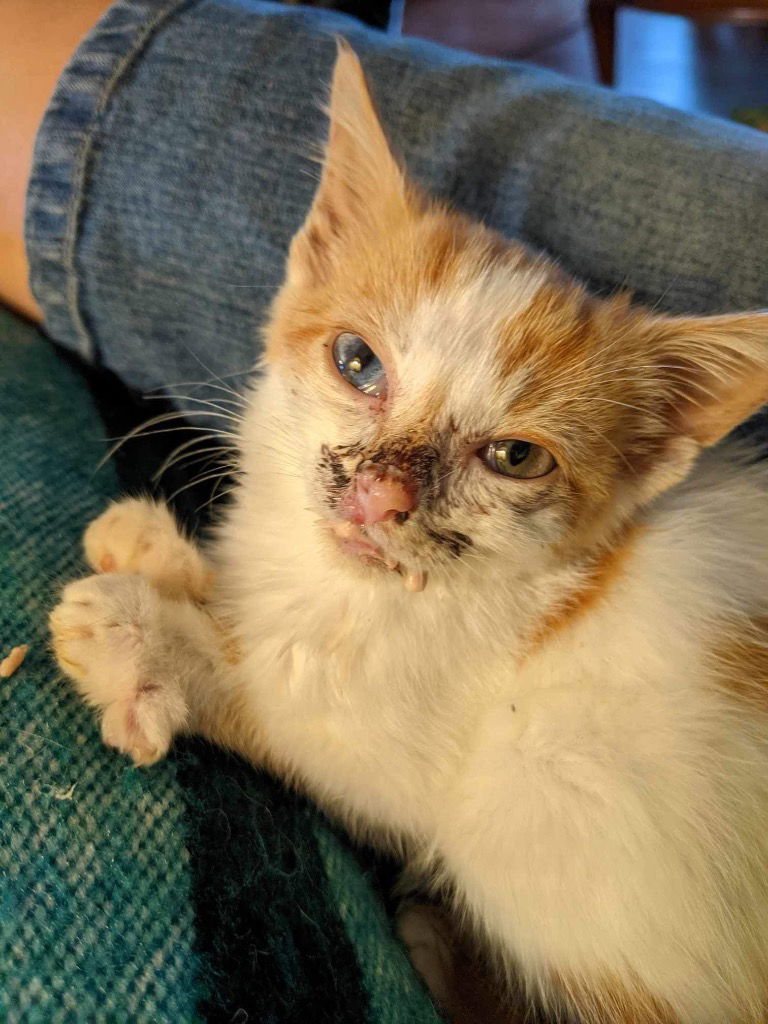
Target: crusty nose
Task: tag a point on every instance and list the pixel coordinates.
(377, 494)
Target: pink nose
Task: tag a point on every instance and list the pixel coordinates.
(377, 494)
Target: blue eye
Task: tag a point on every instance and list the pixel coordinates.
(359, 364)
(520, 459)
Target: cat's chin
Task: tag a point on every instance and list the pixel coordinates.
(353, 542)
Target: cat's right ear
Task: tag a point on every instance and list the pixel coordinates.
(362, 187)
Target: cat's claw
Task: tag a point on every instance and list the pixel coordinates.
(105, 637)
(121, 729)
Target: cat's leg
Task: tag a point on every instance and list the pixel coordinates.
(425, 934)
(138, 535)
(153, 667)
(460, 978)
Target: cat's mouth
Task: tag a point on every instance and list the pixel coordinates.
(355, 541)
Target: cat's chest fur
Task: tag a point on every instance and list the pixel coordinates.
(553, 782)
(372, 719)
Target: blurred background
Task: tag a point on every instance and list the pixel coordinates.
(704, 56)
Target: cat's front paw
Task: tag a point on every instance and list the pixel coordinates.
(140, 535)
(107, 637)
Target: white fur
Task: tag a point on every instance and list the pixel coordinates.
(600, 804)
(597, 805)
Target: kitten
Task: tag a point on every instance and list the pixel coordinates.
(486, 591)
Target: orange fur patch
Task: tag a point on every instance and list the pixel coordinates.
(608, 1000)
(553, 330)
(228, 644)
(603, 574)
(741, 663)
(419, 251)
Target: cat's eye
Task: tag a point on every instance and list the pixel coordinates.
(520, 459)
(358, 363)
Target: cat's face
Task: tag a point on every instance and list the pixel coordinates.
(456, 398)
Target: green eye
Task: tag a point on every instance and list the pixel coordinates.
(520, 459)
(358, 363)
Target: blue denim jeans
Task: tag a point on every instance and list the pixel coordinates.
(175, 162)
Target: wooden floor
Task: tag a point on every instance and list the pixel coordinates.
(704, 69)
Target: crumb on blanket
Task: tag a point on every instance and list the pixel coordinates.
(9, 665)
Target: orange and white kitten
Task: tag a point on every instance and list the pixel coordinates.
(486, 590)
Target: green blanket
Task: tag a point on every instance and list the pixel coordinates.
(196, 890)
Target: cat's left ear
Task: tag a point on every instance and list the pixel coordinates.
(719, 371)
(362, 187)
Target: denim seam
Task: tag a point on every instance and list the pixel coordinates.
(83, 167)
(72, 85)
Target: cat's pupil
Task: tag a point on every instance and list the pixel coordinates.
(517, 452)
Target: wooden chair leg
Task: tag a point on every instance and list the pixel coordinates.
(602, 16)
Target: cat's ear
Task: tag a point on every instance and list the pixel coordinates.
(361, 186)
(719, 370)
(709, 375)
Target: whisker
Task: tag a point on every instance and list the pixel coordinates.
(217, 485)
(226, 467)
(593, 429)
(213, 374)
(172, 458)
(187, 427)
(167, 417)
(197, 480)
(232, 284)
(226, 413)
(215, 497)
(611, 401)
(207, 382)
(178, 456)
(142, 431)
(236, 399)
(446, 475)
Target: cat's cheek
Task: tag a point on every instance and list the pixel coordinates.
(526, 534)
(503, 502)
(333, 414)
(321, 419)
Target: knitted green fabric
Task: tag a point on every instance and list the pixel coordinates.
(97, 922)
(198, 889)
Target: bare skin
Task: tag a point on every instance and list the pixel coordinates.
(35, 45)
